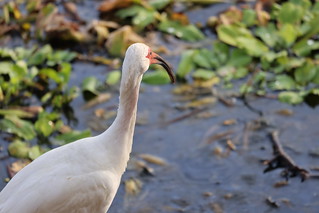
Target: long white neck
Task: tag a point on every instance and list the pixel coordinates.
(120, 133)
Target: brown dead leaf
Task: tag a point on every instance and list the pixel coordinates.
(65, 129)
(56, 26)
(271, 202)
(231, 145)
(216, 207)
(230, 122)
(103, 97)
(180, 17)
(207, 194)
(109, 5)
(119, 40)
(281, 184)
(99, 112)
(206, 83)
(285, 112)
(231, 15)
(228, 196)
(16, 166)
(218, 136)
(218, 151)
(201, 102)
(133, 186)
(262, 15)
(153, 159)
(72, 10)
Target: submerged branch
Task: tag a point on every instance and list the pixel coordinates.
(283, 160)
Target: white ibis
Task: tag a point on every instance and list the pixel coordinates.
(84, 176)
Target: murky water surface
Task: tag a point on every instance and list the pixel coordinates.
(202, 174)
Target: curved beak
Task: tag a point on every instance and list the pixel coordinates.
(156, 59)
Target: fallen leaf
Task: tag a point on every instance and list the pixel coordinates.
(109, 5)
(216, 208)
(231, 15)
(281, 184)
(207, 194)
(100, 98)
(285, 112)
(218, 150)
(230, 122)
(133, 186)
(231, 145)
(119, 40)
(271, 202)
(71, 8)
(16, 166)
(153, 159)
(201, 102)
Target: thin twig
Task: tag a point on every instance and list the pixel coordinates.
(184, 116)
(283, 160)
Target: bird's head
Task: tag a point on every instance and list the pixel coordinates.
(141, 56)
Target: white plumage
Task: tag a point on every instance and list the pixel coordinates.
(83, 176)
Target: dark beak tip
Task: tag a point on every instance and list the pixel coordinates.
(168, 69)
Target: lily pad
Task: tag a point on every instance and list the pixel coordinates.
(157, 77)
(185, 32)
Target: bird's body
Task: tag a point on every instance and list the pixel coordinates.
(83, 176)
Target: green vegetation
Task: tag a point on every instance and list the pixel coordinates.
(33, 92)
(275, 54)
(269, 49)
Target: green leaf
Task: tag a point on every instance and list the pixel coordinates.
(6, 68)
(19, 149)
(51, 74)
(186, 64)
(290, 97)
(159, 4)
(252, 46)
(268, 34)
(185, 32)
(90, 85)
(283, 82)
(156, 77)
(290, 13)
(202, 58)
(65, 72)
(239, 58)
(34, 152)
(220, 53)
(241, 72)
(60, 56)
(249, 17)
(8, 53)
(316, 77)
(141, 16)
(241, 37)
(113, 77)
(44, 126)
(144, 18)
(15, 125)
(15, 112)
(230, 33)
(288, 33)
(304, 47)
(203, 74)
(73, 136)
(40, 55)
(306, 73)
(129, 12)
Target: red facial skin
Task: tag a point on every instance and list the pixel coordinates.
(156, 59)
